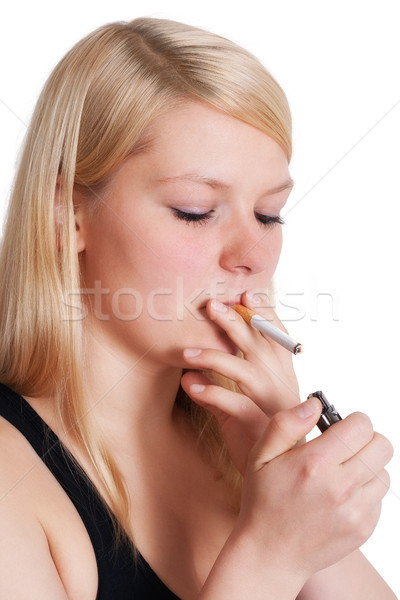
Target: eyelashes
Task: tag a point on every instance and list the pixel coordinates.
(266, 220)
(191, 217)
(199, 219)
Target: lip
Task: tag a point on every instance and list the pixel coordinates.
(230, 302)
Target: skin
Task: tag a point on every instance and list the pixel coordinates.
(135, 241)
(171, 273)
(177, 266)
(229, 254)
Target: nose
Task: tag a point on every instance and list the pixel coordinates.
(249, 248)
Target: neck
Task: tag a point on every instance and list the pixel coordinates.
(131, 396)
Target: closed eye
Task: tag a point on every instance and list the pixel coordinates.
(267, 220)
(201, 218)
(195, 218)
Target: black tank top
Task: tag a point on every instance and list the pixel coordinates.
(119, 579)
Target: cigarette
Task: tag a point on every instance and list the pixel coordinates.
(267, 328)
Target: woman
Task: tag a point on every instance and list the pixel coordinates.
(147, 202)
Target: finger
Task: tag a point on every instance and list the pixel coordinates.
(218, 399)
(260, 303)
(344, 439)
(376, 489)
(258, 349)
(250, 378)
(370, 460)
(265, 387)
(365, 505)
(286, 428)
(243, 336)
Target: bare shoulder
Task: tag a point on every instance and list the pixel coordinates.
(19, 466)
(44, 546)
(26, 564)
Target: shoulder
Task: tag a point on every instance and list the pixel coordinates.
(44, 545)
(17, 457)
(19, 464)
(25, 559)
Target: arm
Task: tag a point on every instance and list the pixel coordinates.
(352, 578)
(256, 562)
(289, 491)
(247, 569)
(278, 548)
(27, 569)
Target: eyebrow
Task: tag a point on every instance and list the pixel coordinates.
(217, 184)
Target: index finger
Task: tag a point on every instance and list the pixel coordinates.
(260, 303)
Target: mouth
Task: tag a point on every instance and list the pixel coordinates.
(234, 299)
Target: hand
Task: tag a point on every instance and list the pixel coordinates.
(314, 504)
(264, 376)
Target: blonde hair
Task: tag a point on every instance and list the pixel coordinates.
(95, 110)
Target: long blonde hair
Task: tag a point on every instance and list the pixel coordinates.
(95, 110)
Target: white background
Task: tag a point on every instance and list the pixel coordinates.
(337, 282)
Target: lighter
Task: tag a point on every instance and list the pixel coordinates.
(329, 414)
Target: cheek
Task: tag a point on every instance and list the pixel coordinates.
(146, 269)
(271, 252)
(276, 246)
(179, 256)
(179, 270)
(154, 270)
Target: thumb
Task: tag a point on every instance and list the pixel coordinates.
(284, 430)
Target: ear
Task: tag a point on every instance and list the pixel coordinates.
(80, 221)
(78, 213)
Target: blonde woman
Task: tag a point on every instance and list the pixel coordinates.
(148, 201)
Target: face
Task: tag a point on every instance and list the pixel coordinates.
(194, 217)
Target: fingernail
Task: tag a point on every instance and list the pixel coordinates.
(218, 306)
(191, 352)
(196, 388)
(304, 410)
(253, 298)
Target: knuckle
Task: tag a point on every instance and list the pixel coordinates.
(362, 425)
(364, 529)
(352, 518)
(359, 520)
(384, 479)
(250, 374)
(246, 348)
(279, 423)
(386, 448)
(355, 524)
(337, 494)
(205, 355)
(368, 524)
(312, 467)
(344, 493)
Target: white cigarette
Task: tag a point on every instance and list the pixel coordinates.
(267, 328)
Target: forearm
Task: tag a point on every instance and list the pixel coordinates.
(244, 570)
(352, 578)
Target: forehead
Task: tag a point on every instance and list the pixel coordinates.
(195, 138)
